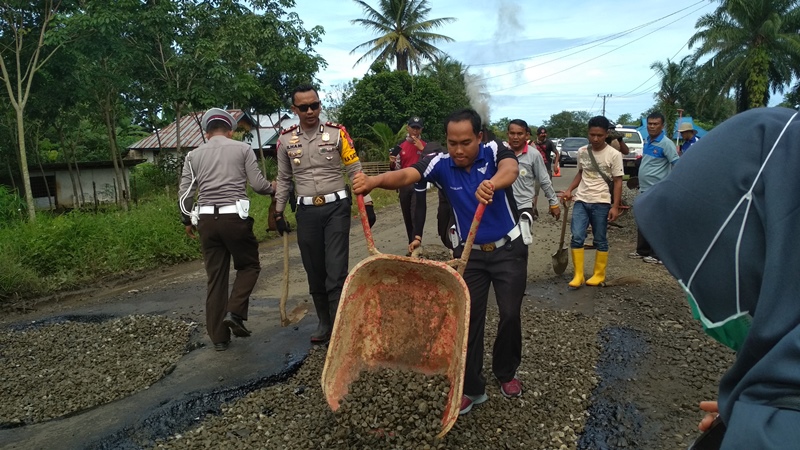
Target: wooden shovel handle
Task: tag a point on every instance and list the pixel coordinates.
(362, 212)
(285, 281)
(473, 231)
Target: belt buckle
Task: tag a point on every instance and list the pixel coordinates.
(319, 200)
(490, 247)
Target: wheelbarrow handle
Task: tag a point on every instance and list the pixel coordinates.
(473, 231)
(362, 212)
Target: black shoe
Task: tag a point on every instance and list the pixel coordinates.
(236, 324)
(221, 346)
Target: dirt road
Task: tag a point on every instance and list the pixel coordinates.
(652, 365)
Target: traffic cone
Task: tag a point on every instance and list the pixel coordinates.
(557, 172)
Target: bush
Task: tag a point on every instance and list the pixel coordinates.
(12, 207)
(153, 179)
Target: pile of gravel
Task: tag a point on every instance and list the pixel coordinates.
(394, 408)
(51, 370)
(557, 372)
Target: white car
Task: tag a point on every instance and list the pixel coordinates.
(633, 139)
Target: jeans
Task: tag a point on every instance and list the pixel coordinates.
(584, 214)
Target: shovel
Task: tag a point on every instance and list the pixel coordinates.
(561, 256)
(401, 313)
(299, 311)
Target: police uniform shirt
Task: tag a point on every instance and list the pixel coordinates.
(460, 186)
(221, 169)
(314, 159)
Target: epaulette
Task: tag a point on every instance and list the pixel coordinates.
(290, 129)
(334, 124)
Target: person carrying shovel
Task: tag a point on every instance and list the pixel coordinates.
(470, 173)
(598, 165)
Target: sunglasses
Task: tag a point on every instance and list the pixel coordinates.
(304, 108)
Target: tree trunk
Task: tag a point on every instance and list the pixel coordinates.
(260, 147)
(112, 145)
(23, 166)
(62, 143)
(758, 79)
(44, 177)
(178, 107)
(81, 197)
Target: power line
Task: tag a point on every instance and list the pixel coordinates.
(596, 57)
(655, 73)
(599, 41)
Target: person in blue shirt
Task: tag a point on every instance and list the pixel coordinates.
(658, 157)
(738, 267)
(473, 172)
(689, 136)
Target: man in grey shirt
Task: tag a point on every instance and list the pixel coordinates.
(531, 169)
(219, 171)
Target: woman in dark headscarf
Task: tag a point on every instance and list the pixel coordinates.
(725, 223)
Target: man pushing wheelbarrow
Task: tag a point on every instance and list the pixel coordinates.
(473, 173)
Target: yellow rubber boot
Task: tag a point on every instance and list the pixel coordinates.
(600, 263)
(577, 263)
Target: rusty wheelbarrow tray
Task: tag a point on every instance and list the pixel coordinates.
(401, 313)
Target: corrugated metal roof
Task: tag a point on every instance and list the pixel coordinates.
(191, 132)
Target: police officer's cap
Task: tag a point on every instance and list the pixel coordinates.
(217, 114)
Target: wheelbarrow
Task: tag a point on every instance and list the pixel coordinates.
(403, 313)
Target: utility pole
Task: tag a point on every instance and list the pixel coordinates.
(604, 101)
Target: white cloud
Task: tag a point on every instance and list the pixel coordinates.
(553, 79)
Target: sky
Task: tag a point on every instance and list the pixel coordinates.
(538, 58)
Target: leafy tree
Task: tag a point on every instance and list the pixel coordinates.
(567, 124)
(792, 99)
(393, 97)
(625, 119)
(381, 140)
(500, 128)
(405, 35)
(754, 48)
(20, 60)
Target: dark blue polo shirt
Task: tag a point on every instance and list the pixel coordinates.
(460, 186)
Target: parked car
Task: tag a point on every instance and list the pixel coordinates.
(569, 149)
(633, 139)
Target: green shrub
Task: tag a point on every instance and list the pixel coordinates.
(12, 207)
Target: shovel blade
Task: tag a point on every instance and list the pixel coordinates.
(560, 260)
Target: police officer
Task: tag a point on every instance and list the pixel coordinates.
(313, 153)
(219, 171)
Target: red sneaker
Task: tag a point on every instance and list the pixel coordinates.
(510, 389)
(468, 401)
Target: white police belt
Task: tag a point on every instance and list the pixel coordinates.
(492, 246)
(319, 200)
(229, 209)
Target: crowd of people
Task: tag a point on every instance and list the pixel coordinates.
(726, 264)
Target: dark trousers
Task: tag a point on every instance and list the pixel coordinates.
(224, 236)
(323, 235)
(407, 205)
(444, 219)
(506, 268)
(642, 246)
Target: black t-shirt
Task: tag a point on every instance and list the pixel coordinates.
(547, 149)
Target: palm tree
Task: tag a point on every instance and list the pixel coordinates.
(754, 47)
(404, 33)
(377, 149)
